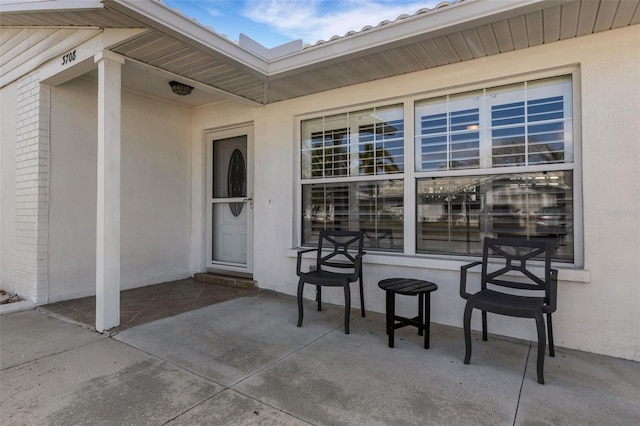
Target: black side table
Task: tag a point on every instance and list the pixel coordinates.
(408, 287)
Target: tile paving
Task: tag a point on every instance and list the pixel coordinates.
(145, 304)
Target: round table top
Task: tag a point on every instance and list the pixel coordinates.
(408, 286)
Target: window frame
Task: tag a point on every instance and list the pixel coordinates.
(349, 178)
(410, 176)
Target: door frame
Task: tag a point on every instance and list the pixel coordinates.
(210, 137)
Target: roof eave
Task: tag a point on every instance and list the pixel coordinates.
(438, 21)
(51, 6)
(169, 21)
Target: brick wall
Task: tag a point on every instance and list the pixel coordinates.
(32, 189)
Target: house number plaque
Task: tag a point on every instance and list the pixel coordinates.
(69, 57)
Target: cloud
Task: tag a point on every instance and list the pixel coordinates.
(213, 12)
(207, 6)
(314, 20)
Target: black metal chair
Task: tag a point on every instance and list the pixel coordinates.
(342, 250)
(510, 287)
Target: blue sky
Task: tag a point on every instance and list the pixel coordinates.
(275, 22)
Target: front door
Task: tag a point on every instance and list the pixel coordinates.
(230, 200)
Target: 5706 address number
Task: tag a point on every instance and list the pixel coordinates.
(69, 57)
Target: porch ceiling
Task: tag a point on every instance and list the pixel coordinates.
(449, 33)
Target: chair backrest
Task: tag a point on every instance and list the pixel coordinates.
(344, 246)
(505, 263)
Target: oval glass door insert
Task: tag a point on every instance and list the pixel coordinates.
(237, 180)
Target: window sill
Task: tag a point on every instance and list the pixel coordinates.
(566, 273)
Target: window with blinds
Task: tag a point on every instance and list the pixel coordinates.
(517, 125)
(347, 148)
(497, 161)
(448, 135)
(530, 123)
(527, 126)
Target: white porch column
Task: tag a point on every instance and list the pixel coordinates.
(108, 213)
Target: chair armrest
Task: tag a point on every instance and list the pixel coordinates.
(463, 278)
(299, 260)
(553, 291)
(357, 270)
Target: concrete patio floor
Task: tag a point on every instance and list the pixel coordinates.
(244, 361)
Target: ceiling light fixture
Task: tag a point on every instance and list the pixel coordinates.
(180, 89)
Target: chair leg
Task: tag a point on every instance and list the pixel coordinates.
(468, 310)
(484, 325)
(427, 319)
(319, 297)
(552, 351)
(300, 313)
(421, 314)
(391, 315)
(347, 307)
(542, 338)
(388, 310)
(361, 298)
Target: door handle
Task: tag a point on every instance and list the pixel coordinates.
(250, 200)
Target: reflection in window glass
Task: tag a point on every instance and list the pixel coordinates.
(362, 143)
(375, 207)
(380, 140)
(455, 213)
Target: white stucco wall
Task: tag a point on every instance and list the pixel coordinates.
(163, 175)
(8, 122)
(599, 305)
(155, 191)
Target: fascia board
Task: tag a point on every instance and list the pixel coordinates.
(27, 56)
(164, 19)
(54, 73)
(50, 6)
(8, 73)
(438, 22)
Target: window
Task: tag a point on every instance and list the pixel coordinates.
(454, 213)
(352, 176)
(492, 162)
